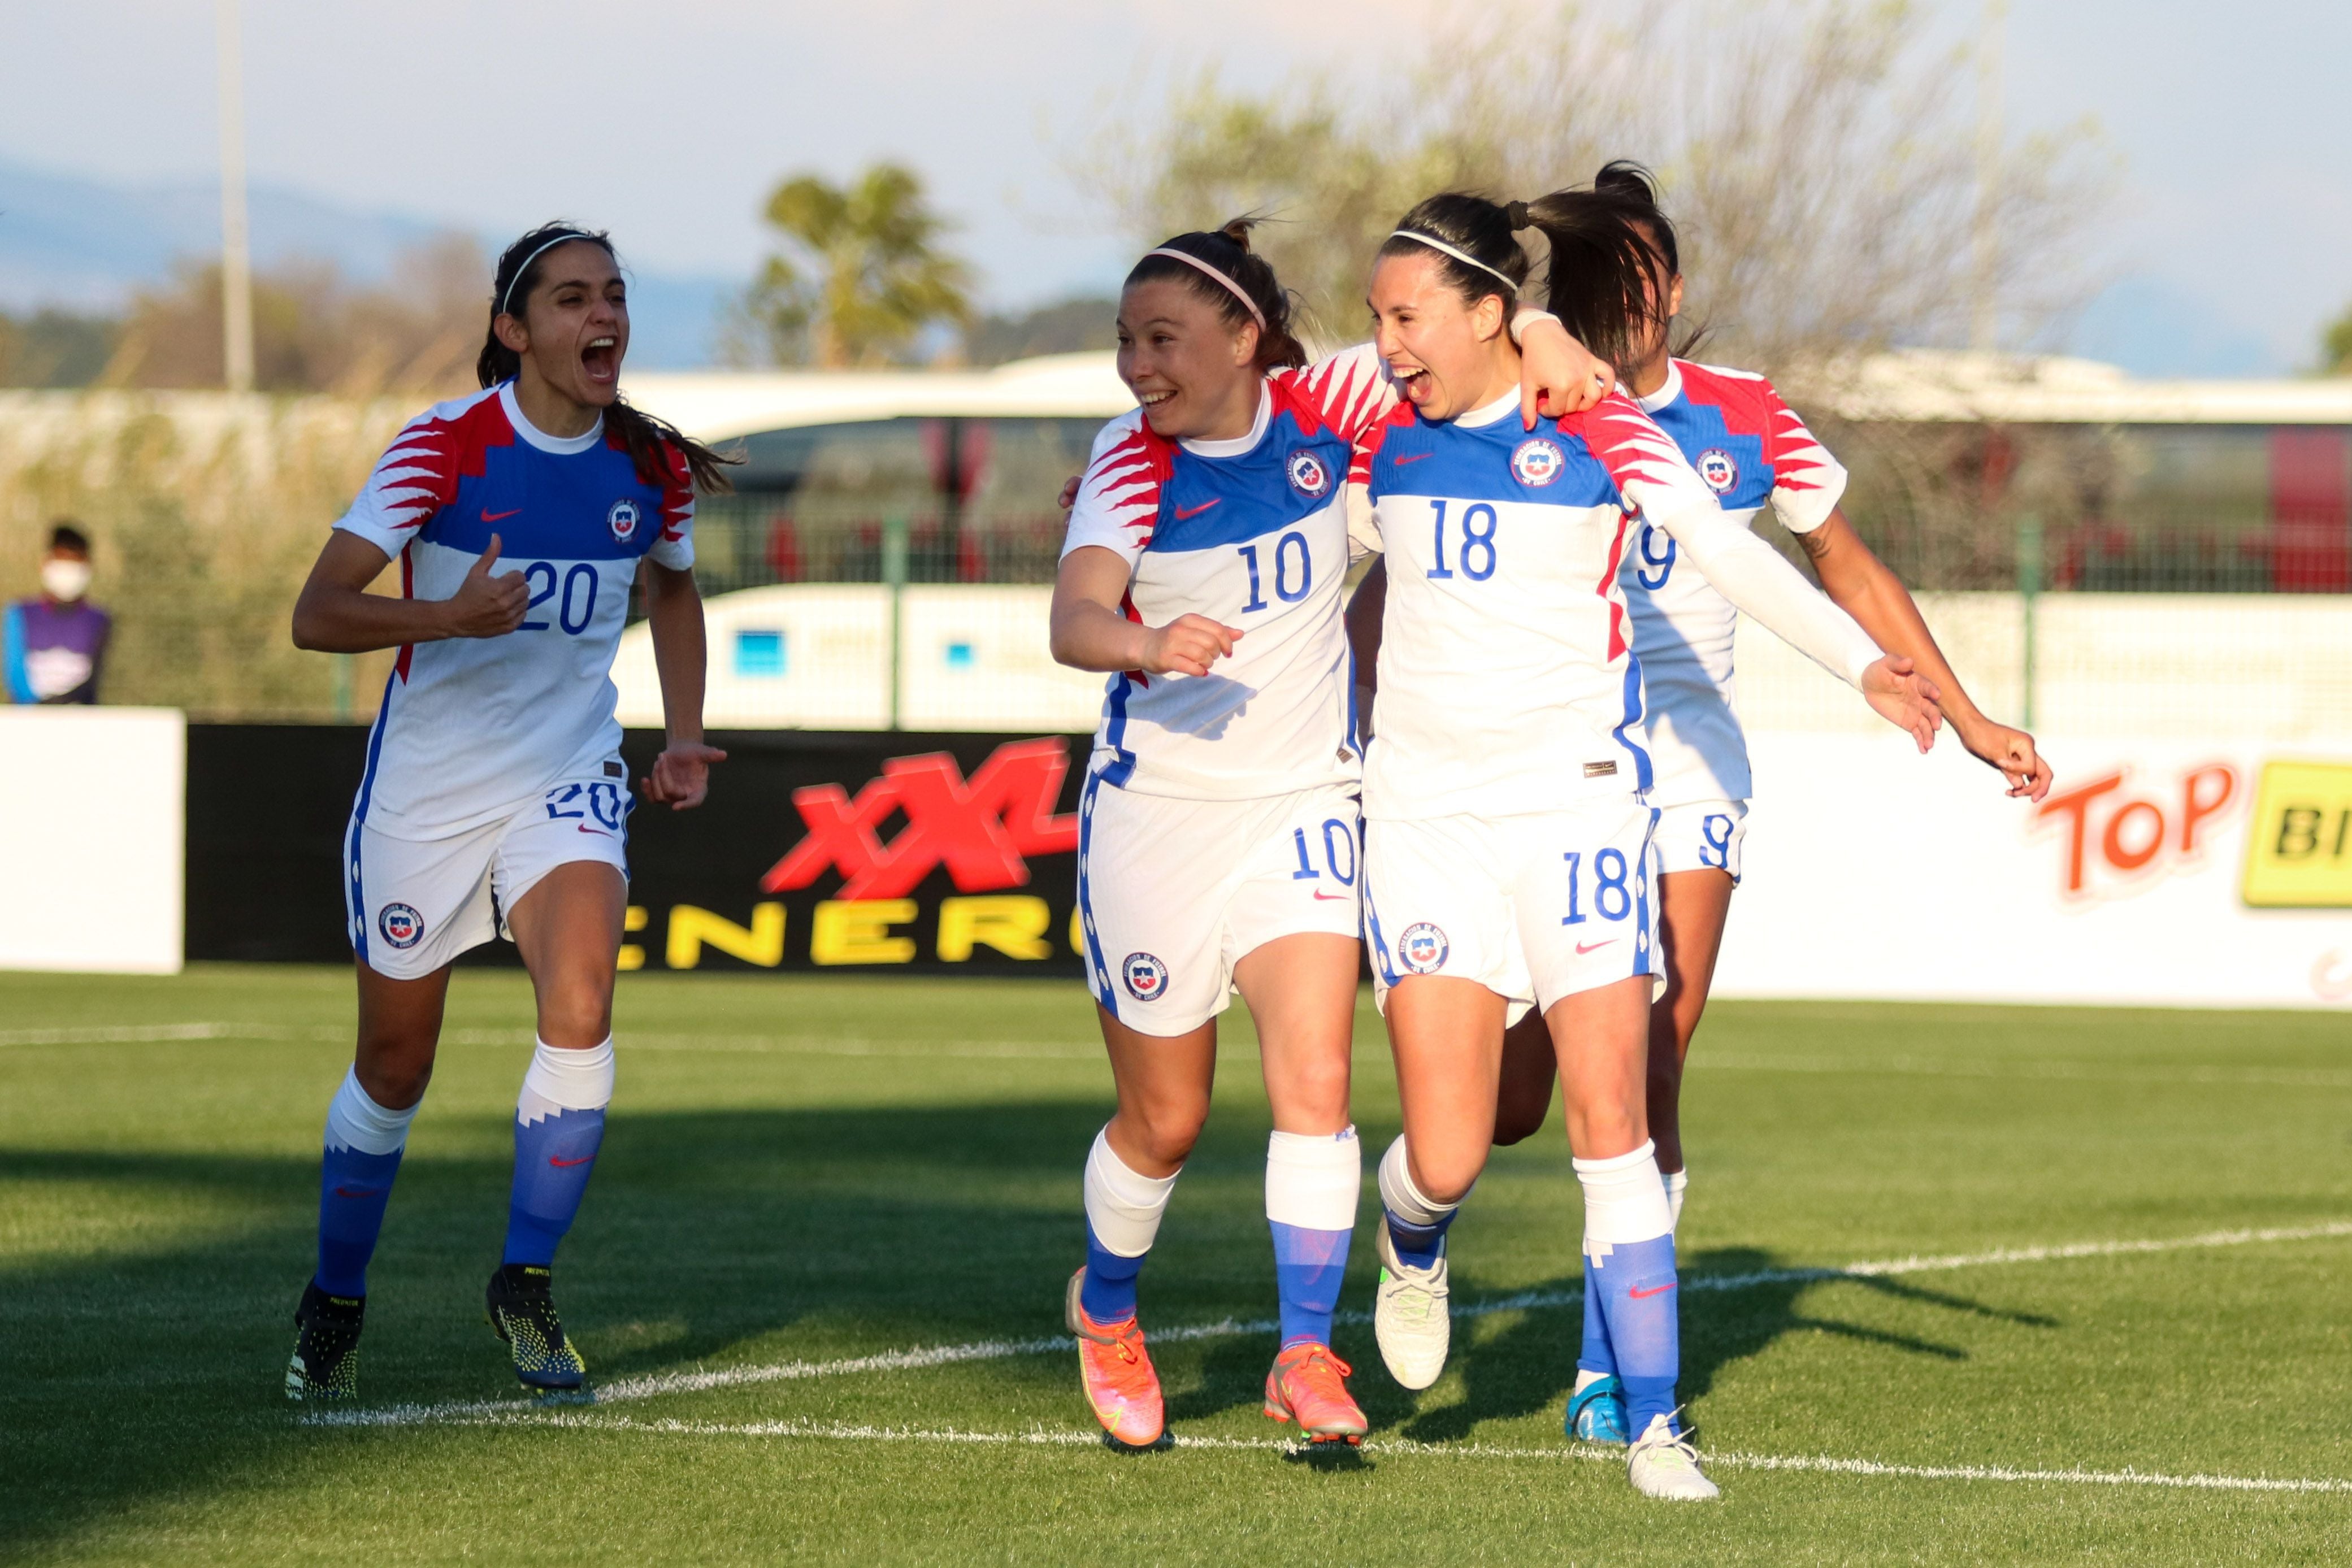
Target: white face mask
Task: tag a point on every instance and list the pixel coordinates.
(64, 580)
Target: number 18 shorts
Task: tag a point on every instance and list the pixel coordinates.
(414, 904)
(1534, 907)
(1173, 892)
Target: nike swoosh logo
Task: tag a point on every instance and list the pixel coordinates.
(1332, 897)
(361, 1191)
(1653, 1290)
(598, 831)
(490, 517)
(560, 1162)
(1584, 947)
(1184, 512)
(1414, 457)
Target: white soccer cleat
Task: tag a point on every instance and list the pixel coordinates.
(1410, 1317)
(1664, 1465)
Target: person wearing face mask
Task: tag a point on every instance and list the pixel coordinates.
(56, 641)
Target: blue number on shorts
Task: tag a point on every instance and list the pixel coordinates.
(529, 577)
(607, 803)
(1716, 829)
(1306, 871)
(1257, 590)
(1437, 546)
(587, 611)
(564, 797)
(1347, 832)
(1664, 564)
(1472, 539)
(1609, 871)
(1282, 568)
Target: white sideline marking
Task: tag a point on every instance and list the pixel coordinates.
(124, 1034)
(651, 1386)
(837, 1431)
(2081, 1071)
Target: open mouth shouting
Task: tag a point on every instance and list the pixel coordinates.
(600, 359)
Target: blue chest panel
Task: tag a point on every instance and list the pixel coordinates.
(1213, 501)
(1497, 461)
(1732, 465)
(581, 506)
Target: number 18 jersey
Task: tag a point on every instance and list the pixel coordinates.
(470, 727)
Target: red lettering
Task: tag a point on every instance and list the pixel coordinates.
(2111, 841)
(980, 829)
(2196, 804)
(2075, 805)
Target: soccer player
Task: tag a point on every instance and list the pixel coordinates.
(1218, 829)
(1752, 450)
(494, 800)
(1508, 849)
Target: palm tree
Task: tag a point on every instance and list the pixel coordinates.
(861, 274)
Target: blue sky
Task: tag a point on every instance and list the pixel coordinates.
(2230, 244)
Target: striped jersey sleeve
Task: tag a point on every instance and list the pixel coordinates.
(415, 477)
(1650, 471)
(1350, 390)
(1806, 480)
(1118, 500)
(674, 549)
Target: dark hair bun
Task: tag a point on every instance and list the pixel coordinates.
(1238, 231)
(1623, 177)
(1516, 214)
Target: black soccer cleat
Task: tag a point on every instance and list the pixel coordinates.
(326, 1362)
(521, 1308)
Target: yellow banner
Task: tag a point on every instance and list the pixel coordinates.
(2299, 852)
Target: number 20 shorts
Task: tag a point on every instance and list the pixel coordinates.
(414, 904)
(1173, 892)
(1534, 907)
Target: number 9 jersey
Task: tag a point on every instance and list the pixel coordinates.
(472, 728)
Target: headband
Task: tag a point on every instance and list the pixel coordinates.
(1511, 289)
(566, 237)
(1234, 288)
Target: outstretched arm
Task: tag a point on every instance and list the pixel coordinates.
(681, 773)
(1862, 586)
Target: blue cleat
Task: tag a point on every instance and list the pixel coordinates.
(1597, 1413)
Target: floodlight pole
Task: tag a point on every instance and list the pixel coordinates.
(236, 248)
(1984, 325)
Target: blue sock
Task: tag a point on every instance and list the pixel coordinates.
(553, 1157)
(1419, 1245)
(354, 1189)
(1596, 1355)
(1308, 1267)
(1637, 1289)
(1107, 1293)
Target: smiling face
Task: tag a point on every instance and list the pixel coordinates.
(572, 328)
(1448, 357)
(1192, 370)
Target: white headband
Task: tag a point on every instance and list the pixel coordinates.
(1511, 289)
(1247, 303)
(506, 300)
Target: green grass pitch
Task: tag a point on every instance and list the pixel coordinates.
(804, 1172)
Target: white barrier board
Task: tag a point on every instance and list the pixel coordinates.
(93, 805)
(1871, 872)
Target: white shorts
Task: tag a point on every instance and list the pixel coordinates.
(414, 904)
(1702, 835)
(1533, 907)
(1173, 892)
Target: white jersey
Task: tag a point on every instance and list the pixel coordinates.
(1750, 447)
(472, 728)
(1251, 533)
(1508, 682)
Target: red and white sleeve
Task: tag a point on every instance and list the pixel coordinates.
(1806, 480)
(1118, 500)
(415, 477)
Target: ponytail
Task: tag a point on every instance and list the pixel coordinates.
(655, 448)
(1220, 267)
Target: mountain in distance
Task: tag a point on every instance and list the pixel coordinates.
(80, 244)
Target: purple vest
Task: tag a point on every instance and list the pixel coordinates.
(51, 653)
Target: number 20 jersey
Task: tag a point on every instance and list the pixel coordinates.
(1508, 679)
(1750, 448)
(470, 727)
(1251, 533)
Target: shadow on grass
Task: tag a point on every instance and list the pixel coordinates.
(150, 1372)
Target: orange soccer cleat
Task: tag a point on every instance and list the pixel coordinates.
(1116, 1372)
(1305, 1387)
